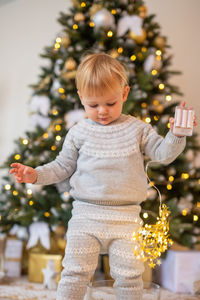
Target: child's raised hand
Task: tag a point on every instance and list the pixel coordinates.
(171, 120)
(23, 173)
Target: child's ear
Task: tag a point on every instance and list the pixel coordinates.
(126, 92)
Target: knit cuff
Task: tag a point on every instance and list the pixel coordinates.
(40, 176)
(175, 139)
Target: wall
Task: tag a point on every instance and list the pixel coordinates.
(27, 26)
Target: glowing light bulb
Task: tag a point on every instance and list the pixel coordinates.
(120, 50)
(171, 178)
(148, 120)
(168, 98)
(169, 186)
(17, 156)
(91, 24)
(185, 175)
(158, 52)
(47, 214)
(109, 33)
(154, 72)
(29, 192)
(161, 86)
(45, 135)
(145, 215)
(58, 138)
(7, 187)
(58, 127)
(133, 57)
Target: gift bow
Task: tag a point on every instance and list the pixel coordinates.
(132, 23)
(39, 231)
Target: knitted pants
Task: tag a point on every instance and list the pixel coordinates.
(95, 229)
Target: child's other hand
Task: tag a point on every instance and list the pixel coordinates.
(23, 173)
(171, 120)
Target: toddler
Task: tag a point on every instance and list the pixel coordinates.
(102, 159)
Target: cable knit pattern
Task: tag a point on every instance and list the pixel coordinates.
(103, 169)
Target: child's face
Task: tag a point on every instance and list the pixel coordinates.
(107, 108)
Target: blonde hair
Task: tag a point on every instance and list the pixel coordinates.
(99, 73)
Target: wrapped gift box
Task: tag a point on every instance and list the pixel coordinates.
(180, 271)
(38, 261)
(13, 257)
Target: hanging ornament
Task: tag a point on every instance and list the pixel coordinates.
(39, 231)
(152, 240)
(171, 170)
(139, 39)
(70, 64)
(38, 120)
(103, 18)
(143, 11)
(94, 9)
(76, 3)
(159, 108)
(65, 41)
(45, 82)
(159, 42)
(132, 23)
(79, 17)
(68, 75)
(57, 66)
(152, 63)
(40, 104)
(73, 117)
(184, 204)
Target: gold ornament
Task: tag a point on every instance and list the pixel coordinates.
(153, 240)
(65, 41)
(150, 34)
(139, 39)
(76, 3)
(70, 64)
(45, 82)
(159, 42)
(79, 17)
(159, 108)
(60, 230)
(95, 8)
(68, 75)
(143, 11)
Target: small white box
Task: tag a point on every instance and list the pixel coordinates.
(13, 256)
(180, 271)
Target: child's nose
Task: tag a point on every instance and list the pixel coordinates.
(102, 110)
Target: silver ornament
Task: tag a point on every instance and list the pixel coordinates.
(103, 18)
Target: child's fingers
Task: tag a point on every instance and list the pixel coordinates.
(13, 171)
(183, 103)
(16, 165)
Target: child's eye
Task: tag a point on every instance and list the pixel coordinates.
(111, 104)
(93, 106)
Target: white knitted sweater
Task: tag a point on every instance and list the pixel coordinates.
(105, 164)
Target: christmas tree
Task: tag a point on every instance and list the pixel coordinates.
(123, 29)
